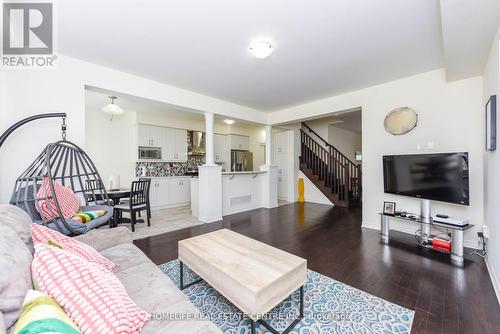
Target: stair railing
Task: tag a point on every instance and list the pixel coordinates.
(337, 171)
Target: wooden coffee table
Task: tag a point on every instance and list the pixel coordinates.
(252, 275)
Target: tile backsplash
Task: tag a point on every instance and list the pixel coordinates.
(164, 169)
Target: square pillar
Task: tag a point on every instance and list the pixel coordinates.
(210, 193)
(269, 186)
(209, 139)
(269, 145)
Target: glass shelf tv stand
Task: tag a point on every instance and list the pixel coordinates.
(457, 233)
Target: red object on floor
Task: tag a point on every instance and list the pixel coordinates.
(441, 245)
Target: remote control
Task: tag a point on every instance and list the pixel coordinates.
(442, 216)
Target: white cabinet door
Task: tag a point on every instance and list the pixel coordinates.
(180, 153)
(174, 189)
(168, 144)
(156, 134)
(153, 194)
(184, 190)
(163, 192)
(143, 138)
(239, 142)
(149, 135)
(220, 148)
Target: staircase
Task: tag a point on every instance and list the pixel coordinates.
(337, 177)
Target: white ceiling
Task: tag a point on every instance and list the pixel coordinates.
(468, 30)
(96, 99)
(322, 47)
(350, 121)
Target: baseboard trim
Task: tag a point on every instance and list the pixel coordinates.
(408, 230)
(494, 278)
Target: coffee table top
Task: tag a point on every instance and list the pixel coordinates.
(251, 274)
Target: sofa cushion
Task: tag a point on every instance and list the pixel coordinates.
(19, 221)
(15, 277)
(155, 293)
(93, 297)
(42, 234)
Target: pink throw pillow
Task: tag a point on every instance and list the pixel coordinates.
(67, 199)
(41, 234)
(94, 299)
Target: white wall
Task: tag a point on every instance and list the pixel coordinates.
(27, 92)
(345, 141)
(311, 192)
(450, 115)
(491, 86)
(112, 144)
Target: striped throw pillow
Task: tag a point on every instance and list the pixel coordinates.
(67, 199)
(42, 315)
(94, 298)
(86, 216)
(42, 234)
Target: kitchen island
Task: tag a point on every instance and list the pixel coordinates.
(241, 191)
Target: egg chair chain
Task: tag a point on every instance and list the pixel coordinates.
(63, 128)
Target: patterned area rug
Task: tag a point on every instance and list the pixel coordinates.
(329, 307)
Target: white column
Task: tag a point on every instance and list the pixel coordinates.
(210, 179)
(269, 145)
(209, 139)
(270, 178)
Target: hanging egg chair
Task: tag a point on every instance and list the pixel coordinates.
(64, 163)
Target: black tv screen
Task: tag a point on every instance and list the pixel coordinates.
(440, 177)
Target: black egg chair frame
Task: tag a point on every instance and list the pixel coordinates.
(68, 164)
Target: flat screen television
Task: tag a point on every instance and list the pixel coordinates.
(440, 177)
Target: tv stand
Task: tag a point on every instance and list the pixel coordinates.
(425, 221)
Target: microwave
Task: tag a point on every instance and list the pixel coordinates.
(150, 153)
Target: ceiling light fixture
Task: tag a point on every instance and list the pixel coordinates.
(112, 108)
(229, 121)
(261, 49)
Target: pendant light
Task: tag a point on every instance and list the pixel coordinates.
(112, 108)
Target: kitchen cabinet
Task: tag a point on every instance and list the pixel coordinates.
(173, 142)
(221, 153)
(174, 147)
(179, 191)
(169, 192)
(158, 193)
(149, 135)
(238, 142)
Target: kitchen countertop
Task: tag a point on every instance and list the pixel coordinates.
(165, 177)
(246, 172)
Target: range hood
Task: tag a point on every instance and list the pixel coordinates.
(196, 143)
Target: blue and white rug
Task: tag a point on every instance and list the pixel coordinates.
(329, 307)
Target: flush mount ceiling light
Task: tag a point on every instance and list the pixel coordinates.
(261, 49)
(229, 121)
(112, 108)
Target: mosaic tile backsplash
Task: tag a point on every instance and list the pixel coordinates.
(164, 169)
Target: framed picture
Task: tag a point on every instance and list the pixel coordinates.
(491, 123)
(389, 208)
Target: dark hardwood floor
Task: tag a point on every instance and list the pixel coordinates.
(446, 298)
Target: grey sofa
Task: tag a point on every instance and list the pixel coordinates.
(145, 283)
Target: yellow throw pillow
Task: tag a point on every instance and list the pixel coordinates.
(41, 314)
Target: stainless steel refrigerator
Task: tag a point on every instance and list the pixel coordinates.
(241, 161)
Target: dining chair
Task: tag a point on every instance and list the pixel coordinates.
(127, 200)
(138, 201)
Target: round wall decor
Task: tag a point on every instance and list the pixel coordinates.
(400, 121)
